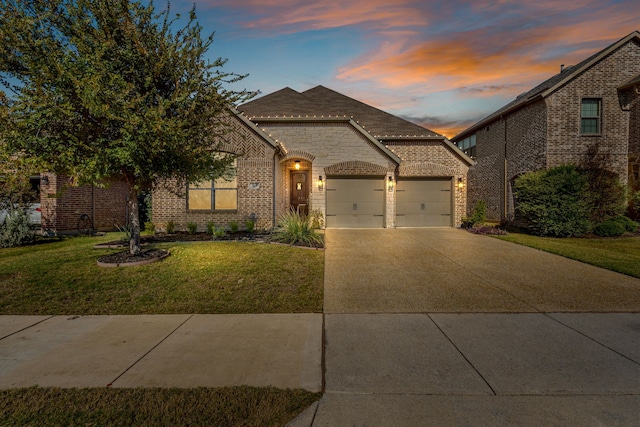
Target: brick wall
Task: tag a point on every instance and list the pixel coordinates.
(333, 148)
(565, 144)
(255, 167)
(547, 133)
(432, 158)
(634, 137)
(63, 204)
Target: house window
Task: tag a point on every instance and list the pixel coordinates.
(590, 115)
(219, 194)
(468, 146)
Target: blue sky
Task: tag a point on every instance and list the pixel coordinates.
(443, 65)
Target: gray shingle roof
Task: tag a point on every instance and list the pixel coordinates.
(321, 101)
(547, 87)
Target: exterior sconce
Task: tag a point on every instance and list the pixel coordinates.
(297, 165)
(320, 183)
(390, 185)
(44, 179)
(460, 183)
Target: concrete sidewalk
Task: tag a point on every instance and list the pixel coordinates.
(480, 370)
(281, 350)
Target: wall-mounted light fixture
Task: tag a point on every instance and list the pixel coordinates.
(297, 165)
(320, 183)
(44, 179)
(460, 183)
(390, 185)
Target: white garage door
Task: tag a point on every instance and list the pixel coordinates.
(423, 202)
(355, 202)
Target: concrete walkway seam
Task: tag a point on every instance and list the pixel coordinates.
(461, 354)
(150, 350)
(27, 327)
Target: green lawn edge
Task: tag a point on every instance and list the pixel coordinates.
(225, 406)
(621, 255)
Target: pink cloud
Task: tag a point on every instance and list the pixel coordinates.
(300, 15)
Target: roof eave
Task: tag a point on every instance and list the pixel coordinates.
(474, 128)
(603, 54)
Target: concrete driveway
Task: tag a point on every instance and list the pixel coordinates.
(438, 270)
(435, 327)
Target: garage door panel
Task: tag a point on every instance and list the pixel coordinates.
(423, 203)
(355, 203)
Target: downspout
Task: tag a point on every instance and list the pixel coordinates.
(273, 173)
(505, 183)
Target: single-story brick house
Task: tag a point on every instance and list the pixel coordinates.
(322, 151)
(592, 105)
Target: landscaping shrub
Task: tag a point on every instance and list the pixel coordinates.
(17, 229)
(607, 194)
(211, 227)
(233, 226)
(171, 227)
(192, 227)
(250, 225)
(479, 215)
(555, 202)
(294, 228)
(149, 227)
(615, 227)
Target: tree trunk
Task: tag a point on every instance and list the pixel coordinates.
(134, 222)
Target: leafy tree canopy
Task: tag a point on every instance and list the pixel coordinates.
(102, 89)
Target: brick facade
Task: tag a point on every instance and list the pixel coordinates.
(541, 128)
(433, 158)
(255, 171)
(63, 205)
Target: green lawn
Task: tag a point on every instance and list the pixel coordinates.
(199, 277)
(232, 406)
(617, 254)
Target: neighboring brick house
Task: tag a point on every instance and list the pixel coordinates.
(319, 150)
(67, 209)
(592, 105)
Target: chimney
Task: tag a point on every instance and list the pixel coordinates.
(561, 67)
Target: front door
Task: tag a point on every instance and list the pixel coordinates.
(299, 199)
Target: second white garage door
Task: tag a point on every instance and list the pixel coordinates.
(355, 202)
(423, 202)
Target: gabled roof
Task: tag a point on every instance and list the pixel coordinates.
(549, 86)
(321, 101)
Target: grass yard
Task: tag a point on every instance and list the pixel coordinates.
(617, 254)
(199, 277)
(234, 406)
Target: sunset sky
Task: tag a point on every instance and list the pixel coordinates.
(443, 65)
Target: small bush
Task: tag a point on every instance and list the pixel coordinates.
(250, 225)
(211, 227)
(192, 227)
(233, 226)
(219, 232)
(615, 227)
(16, 230)
(149, 227)
(296, 229)
(609, 228)
(171, 227)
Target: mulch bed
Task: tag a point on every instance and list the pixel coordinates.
(124, 259)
